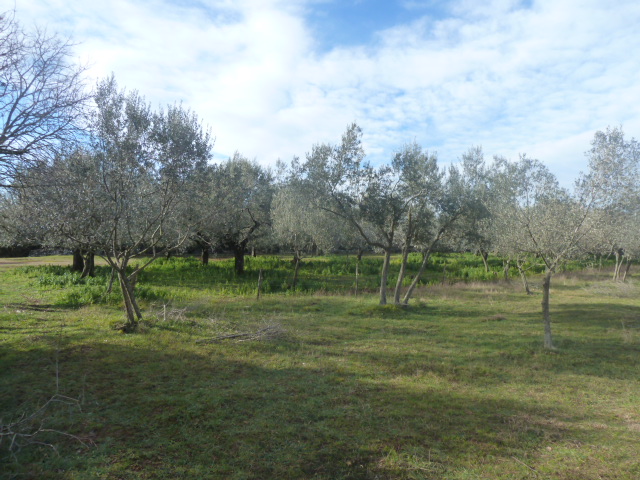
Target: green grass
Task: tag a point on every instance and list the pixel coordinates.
(457, 386)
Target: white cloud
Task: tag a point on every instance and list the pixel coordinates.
(538, 79)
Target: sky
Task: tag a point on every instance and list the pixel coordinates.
(271, 78)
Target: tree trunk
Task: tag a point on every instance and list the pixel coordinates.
(626, 270)
(384, 276)
(168, 254)
(131, 324)
(506, 266)
(401, 274)
(546, 314)
(254, 252)
(111, 279)
(131, 284)
(296, 262)
(523, 276)
(89, 269)
(259, 284)
(414, 283)
(204, 255)
(78, 261)
(357, 273)
(485, 259)
(238, 254)
(619, 253)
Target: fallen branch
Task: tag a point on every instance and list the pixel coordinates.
(268, 332)
(522, 463)
(28, 429)
(23, 431)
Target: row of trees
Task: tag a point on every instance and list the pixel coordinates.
(106, 174)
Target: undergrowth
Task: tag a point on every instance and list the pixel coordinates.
(177, 278)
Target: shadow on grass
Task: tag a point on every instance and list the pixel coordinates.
(165, 413)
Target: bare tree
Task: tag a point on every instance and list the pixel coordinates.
(42, 97)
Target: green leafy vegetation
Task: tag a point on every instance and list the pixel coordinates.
(457, 385)
(181, 278)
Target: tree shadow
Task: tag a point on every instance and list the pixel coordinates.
(199, 412)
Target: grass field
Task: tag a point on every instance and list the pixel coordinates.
(457, 386)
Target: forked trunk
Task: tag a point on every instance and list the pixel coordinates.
(618, 265)
(546, 313)
(384, 276)
(523, 276)
(132, 310)
(505, 267)
(131, 323)
(414, 283)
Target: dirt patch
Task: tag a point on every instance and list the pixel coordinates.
(12, 262)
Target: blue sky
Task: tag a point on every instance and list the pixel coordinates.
(273, 77)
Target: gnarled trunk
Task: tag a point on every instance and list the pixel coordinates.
(89, 269)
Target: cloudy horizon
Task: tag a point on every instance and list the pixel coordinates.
(271, 78)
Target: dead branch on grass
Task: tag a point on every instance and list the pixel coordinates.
(173, 314)
(27, 429)
(268, 332)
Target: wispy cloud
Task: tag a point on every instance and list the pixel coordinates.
(537, 77)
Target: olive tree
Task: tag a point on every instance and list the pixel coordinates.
(120, 198)
(390, 206)
(444, 215)
(236, 207)
(297, 224)
(614, 164)
(538, 217)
